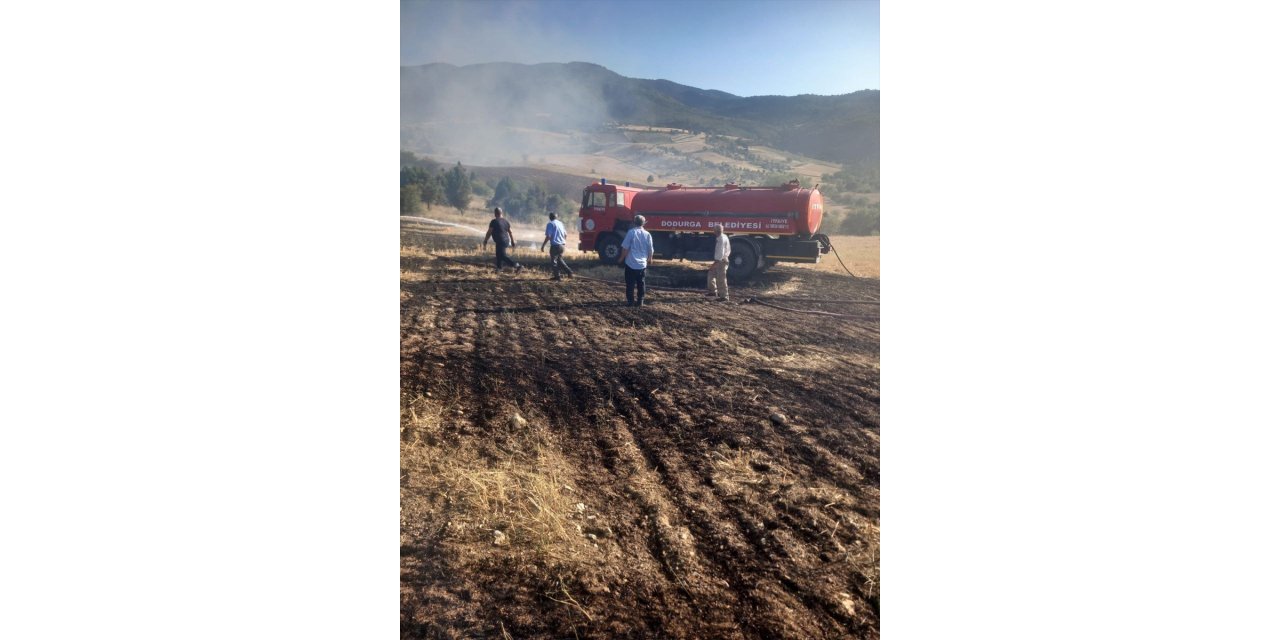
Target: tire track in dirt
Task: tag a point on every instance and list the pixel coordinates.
(660, 546)
(813, 454)
(748, 526)
(705, 510)
(688, 488)
(643, 444)
(663, 544)
(711, 545)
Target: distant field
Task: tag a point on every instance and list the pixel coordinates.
(597, 166)
(628, 153)
(860, 253)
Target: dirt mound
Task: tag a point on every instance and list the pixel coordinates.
(644, 490)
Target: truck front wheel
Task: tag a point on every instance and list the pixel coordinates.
(610, 248)
(743, 259)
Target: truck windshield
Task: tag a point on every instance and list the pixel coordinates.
(593, 199)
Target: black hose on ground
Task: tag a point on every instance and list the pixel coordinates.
(818, 300)
(833, 250)
(811, 313)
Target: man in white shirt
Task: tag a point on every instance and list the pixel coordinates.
(637, 248)
(718, 274)
(556, 236)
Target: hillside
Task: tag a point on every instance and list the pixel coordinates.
(499, 112)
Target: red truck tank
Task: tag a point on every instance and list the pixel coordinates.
(766, 225)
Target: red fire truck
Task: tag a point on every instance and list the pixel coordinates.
(766, 225)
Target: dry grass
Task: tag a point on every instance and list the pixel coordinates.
(860, 253)
(867, 558)
(727, 342)
(733, 471)
(596, 166)
(527, 497)
(527, 494)
(602, 272)
(412, 276)
(411, 251)
(784, 288)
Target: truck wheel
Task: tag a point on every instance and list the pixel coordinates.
(610, 248)
(743, 259)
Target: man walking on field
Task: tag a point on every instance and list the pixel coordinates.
(637, 248)
(500, 231)
(556, 236)
(718, 274)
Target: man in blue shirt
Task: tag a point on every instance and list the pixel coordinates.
(556, 236)
(637, 248)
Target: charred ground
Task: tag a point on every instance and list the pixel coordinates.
(643, 490)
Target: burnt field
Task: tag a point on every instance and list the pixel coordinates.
(572, 467)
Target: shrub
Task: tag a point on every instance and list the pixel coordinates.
(410, 200)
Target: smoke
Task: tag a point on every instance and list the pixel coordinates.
(465, 32)
(473, 230)
(459, 108)
(555, 115)
(522, 234)
(499, 114)
(461, 102)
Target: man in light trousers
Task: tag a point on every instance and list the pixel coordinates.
(718, 274)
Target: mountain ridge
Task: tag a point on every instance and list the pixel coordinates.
(583, 96)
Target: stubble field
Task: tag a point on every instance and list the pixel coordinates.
(572, 467)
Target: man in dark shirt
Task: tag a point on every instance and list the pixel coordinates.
(500, 231)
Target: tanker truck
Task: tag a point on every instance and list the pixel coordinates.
(766, 225)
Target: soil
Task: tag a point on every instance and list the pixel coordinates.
(687, 469)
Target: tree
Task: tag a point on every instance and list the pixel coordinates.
(413, 175)
(557, 203)
(533, 204)
(410, 200)
(457, 188)
(430, 185)
(862, 221)
(501, 193)
(529, 202)
(432, 191)
(651, 177)
(410, 159)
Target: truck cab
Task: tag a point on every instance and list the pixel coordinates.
(604, 218)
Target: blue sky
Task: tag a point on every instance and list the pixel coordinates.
(746, 47)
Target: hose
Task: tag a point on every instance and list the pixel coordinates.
(811, 313)
(818, 300)
(833, 250)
